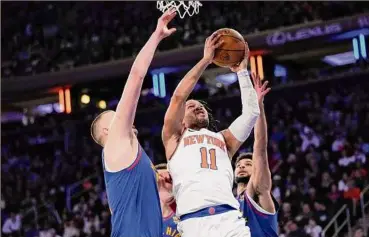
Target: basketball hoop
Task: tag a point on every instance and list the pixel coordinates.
(182, 7)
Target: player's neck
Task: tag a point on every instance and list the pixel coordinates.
(166, 211)
(194, 128)
(197, 128)
(241, 187)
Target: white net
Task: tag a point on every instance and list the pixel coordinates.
(183, 7)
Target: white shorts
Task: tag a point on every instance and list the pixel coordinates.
(227, 224)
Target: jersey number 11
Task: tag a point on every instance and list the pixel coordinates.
(204, 158)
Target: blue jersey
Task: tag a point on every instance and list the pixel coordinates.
(260, 222)
(170, 226)
(134, 199)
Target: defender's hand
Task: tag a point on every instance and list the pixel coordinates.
(211, 43)
(243, 64)
(260, 88)
(162, 26)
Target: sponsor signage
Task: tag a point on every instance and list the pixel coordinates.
(309, 31)
(259, 41)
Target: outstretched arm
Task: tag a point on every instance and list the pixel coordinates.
(126, 109)
(173, 117)
(261, 182)
(241, 128)
(120, 131)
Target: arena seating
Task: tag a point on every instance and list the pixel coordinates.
(51, 170)
(43, 36)
(319, 130)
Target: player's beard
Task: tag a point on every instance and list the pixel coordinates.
(201, 123)
(242, 179)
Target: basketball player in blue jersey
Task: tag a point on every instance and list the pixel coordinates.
(168, 205)
(253, 178)
(130, 177)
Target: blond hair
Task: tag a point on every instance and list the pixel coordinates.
(94, 128)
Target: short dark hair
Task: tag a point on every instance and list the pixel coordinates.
(242, 156)
(162, 166)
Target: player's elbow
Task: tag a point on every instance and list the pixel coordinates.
(178, 98)
(254, 111)
(250, 116)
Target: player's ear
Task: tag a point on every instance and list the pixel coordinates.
(105, 131)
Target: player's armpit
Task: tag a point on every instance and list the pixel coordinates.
(173, 118)
(125, 157)
(264, 205)
(262, 191)
(266, 202)
(127, 106)
(231, 142)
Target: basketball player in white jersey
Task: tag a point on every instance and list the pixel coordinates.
(199, 159)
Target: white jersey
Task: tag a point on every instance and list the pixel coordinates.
(201, 171)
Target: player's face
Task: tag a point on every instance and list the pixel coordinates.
(243, 168)
(196, 115)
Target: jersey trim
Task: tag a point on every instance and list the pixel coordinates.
(137, 159)
(130, 167)
(258, 209)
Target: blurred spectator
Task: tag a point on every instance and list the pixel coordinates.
(359, 232)
(70, 229)
(46, 38)
(320, 214)
(313, 229)
(309, 183)
(293, 230)
(334, 195)
(343, 183)
(12, 225)
(309, 139)
(339, 143)
(49, 232)
(353, 192)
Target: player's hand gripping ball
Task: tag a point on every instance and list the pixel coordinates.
(232, 50)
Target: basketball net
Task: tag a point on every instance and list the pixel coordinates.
(182, 7)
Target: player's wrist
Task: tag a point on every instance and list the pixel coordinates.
(207, 60)
(157, 35)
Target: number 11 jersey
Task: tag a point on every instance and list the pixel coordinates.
(201, 171)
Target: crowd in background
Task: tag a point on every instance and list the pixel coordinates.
(51, 36)
(318, 150)
(318, 145)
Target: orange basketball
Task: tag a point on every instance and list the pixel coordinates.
(232, 51)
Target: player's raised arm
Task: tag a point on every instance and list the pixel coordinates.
(121, 135)
(126, 109)
(241, 128)
(260, 181)
(173, 117)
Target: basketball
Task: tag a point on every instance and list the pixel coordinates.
(232, 51)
